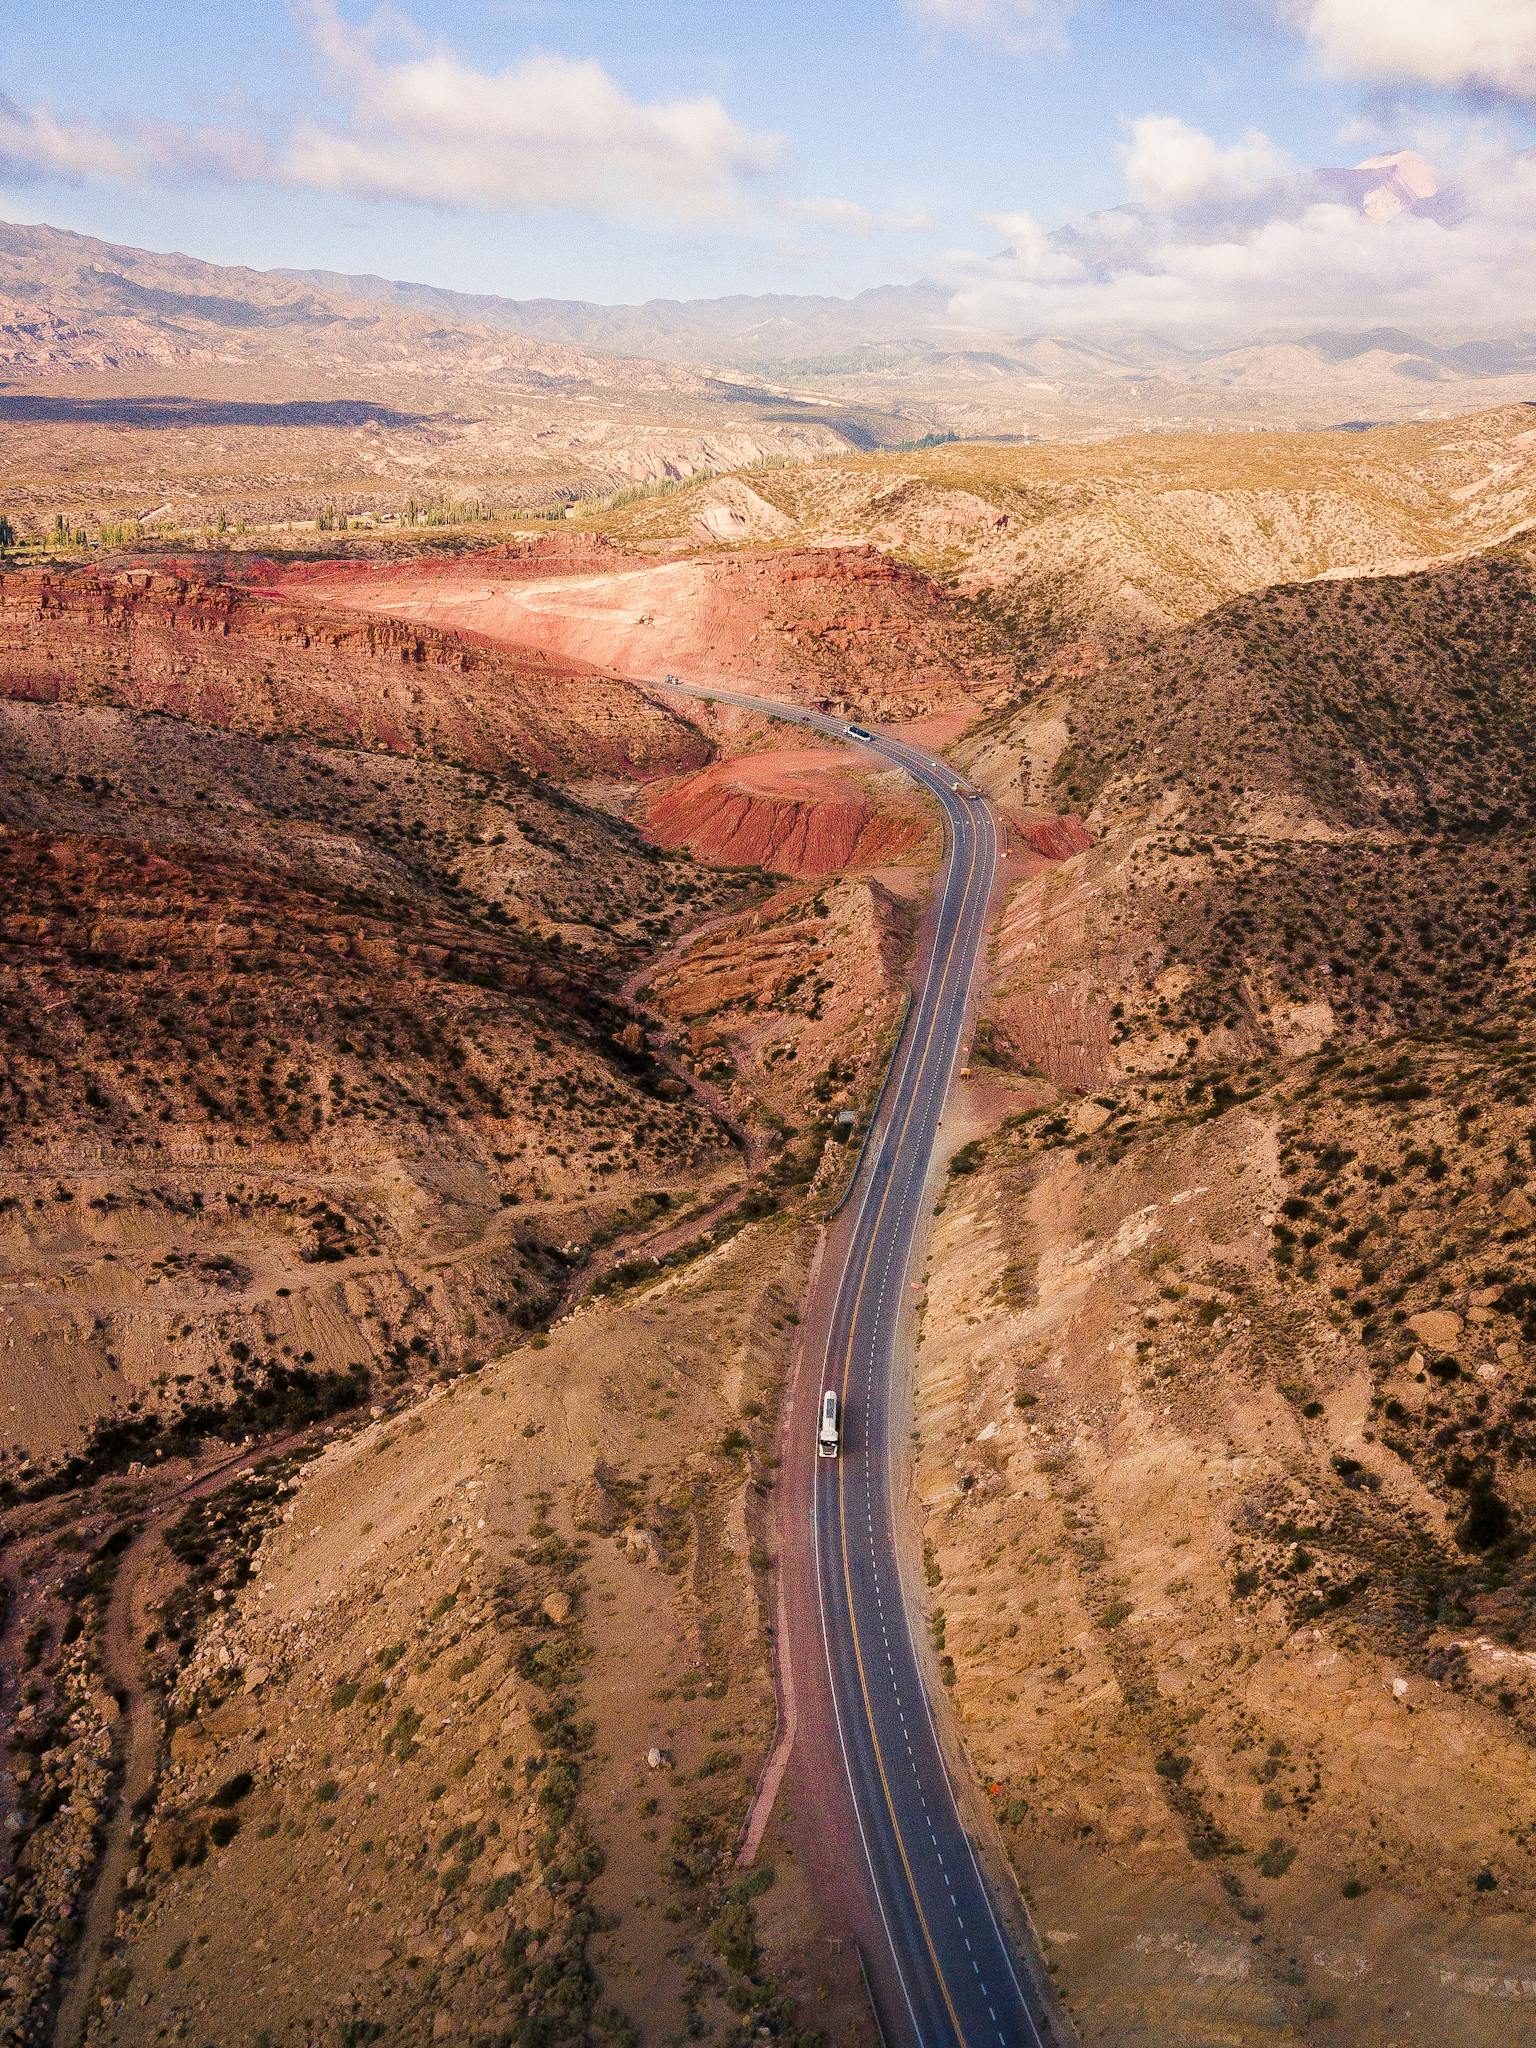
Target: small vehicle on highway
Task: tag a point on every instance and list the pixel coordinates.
(829, 1436)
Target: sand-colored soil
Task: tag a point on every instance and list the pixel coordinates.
(1235, 1826)
(1227, 1337)
(573, 1507)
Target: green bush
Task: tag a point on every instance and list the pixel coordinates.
(1277, 1858)
(733, 1936)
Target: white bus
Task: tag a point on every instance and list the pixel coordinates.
(828, 1436)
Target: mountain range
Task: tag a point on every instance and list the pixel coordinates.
(528, 403)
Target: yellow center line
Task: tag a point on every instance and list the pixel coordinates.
(858, 1301)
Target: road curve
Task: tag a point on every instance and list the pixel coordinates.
(953, 1980)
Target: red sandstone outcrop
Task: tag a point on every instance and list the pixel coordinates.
(800, 813)
(171, 640)
(846, 626)
(791, 1002)
(1057, 838)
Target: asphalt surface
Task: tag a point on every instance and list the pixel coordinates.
(952, 1978)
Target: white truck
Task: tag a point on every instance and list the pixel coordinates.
(829, 1435)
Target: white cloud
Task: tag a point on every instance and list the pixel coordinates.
(1169, 165)
(849, 217)
(35, 142)
(551, 131)
(1010, 24)
(1303, 251)
(1033, 253)
(1489, 44)
(422, 125)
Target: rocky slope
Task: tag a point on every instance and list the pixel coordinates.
(1082, 552)
(171, 639)
(1227, 1340)
(217, 1176)
(142, 385)
(790, 1004)
(799, 812)
(845, 626)
(1309, 875)
(301, 951)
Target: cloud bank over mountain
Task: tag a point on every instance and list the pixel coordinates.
(1230, 240)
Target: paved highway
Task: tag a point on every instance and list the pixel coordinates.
(953, 1979)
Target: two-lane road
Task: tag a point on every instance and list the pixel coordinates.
(952, 1979)
(958, 1978)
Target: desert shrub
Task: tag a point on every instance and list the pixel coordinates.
(233, 1789)
(1276, 1859)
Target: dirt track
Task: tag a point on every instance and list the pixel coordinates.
(139, 1746)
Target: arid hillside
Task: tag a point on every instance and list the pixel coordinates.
(472, 1749)
(789, 1004)
(845, 626)
(1355, 855)
(799, 811)
(286, 1027)
(73, 304)
(350, 1032)
(195, 398)
(304, 948)
(157, 388)
(1228, 1343)
(175, 640)
(1084, 551)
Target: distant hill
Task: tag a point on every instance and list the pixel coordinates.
(292, 389)
(911, 331)
(746, 327)
(70, 302)
(370, 400)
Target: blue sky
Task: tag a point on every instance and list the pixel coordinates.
(615, 150)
